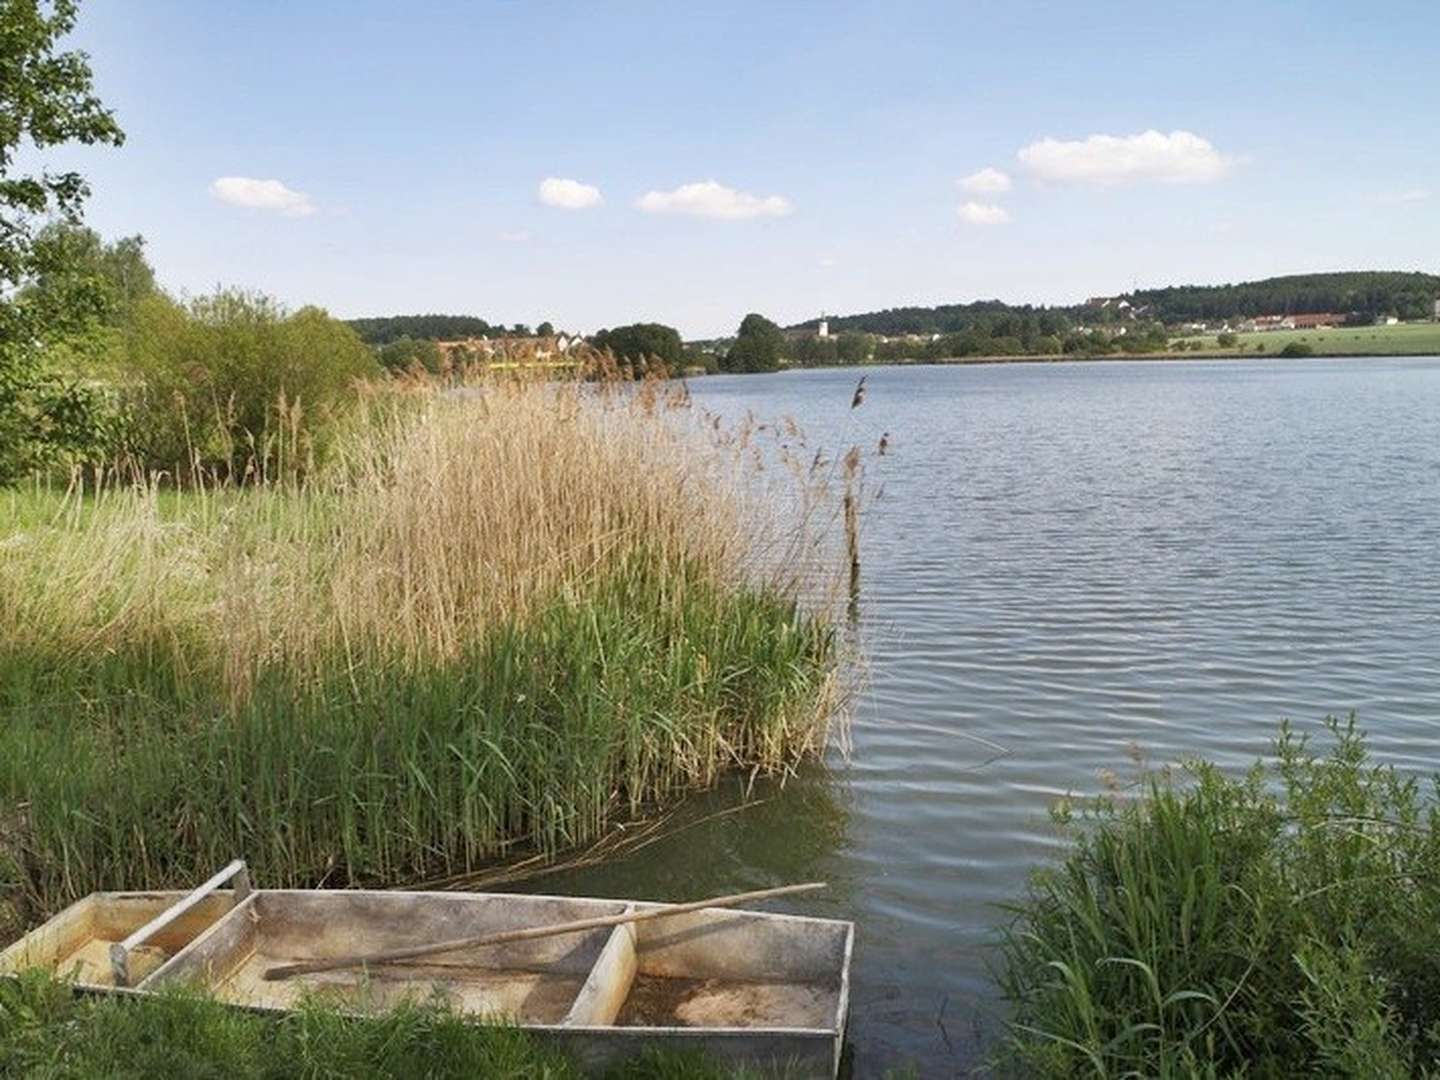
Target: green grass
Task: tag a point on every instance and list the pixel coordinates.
(1405, 339)
(506, 630)
(45, 1032)
(1283, 924)
(136, 774)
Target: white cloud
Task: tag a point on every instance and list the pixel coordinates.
(987, 181)
(569, 194)
(1180, 157)
(262, 195)
(709, 198)
(1413, 195)
(978, 213)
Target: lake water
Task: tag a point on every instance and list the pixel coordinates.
(1069, 566)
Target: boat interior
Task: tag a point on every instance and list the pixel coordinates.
(76, 944)
(709, 969)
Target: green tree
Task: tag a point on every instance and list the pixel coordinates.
(545, 329)
(643, 342)
(382, 331)
(853, 348)
(82, 272)
(407, 354)
(46, 100)
(233, 383)
(758, 346)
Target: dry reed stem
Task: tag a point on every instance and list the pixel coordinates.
(446, 512)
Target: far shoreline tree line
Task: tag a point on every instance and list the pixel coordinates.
(1138, 323)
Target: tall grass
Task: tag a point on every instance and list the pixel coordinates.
(503, 617)
(1283, 924)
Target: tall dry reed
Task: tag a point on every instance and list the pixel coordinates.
(506, 613)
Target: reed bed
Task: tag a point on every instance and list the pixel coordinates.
(505, 616)
(1277, 924)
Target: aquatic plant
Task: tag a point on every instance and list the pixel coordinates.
(505, 616)
(1281, 924)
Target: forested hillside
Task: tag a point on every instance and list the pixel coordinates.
(382, 331)
(992, 317)
(1364, 292)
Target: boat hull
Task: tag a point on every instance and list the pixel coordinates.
(744, 987)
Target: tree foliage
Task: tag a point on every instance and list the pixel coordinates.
(642, 343)
(407, 354)
(46, 100)
(1365, 292)
(84, 271)
(759, 345)
(994, 318)
(384, 330)
(985, 327)
(232, 384)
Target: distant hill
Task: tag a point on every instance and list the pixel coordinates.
(382, 331)
(1366, 292)
(946, 319)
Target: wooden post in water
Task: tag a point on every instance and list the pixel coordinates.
(852, 521)
(852, 541)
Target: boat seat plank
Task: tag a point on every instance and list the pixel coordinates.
(609, 982)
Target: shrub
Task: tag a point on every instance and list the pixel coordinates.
(1297, 348)
(1226, 341)
(1282, 924)
(643, 343)
(408, 355)
(232, 383)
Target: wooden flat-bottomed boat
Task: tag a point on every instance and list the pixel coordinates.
(743, 986)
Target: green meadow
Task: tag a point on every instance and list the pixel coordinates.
(1404, 339)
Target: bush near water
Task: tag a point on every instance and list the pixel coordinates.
(1283, 924)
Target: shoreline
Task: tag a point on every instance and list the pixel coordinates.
(962, 361)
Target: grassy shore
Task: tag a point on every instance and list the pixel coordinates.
(47, 1032)
(498, 621)
(1277, 925)
(1404, 339)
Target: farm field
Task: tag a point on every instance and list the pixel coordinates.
(1406, 339)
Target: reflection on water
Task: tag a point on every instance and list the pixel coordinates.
(742, 835)
(1067, 565)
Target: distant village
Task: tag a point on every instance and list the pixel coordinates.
(1101, 325)
(1117, 311)
(1326, 320)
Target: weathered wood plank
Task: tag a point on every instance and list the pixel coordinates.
(609, 982)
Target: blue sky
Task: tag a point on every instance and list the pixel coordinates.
(409, 143)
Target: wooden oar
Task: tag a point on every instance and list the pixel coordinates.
(309, 967)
